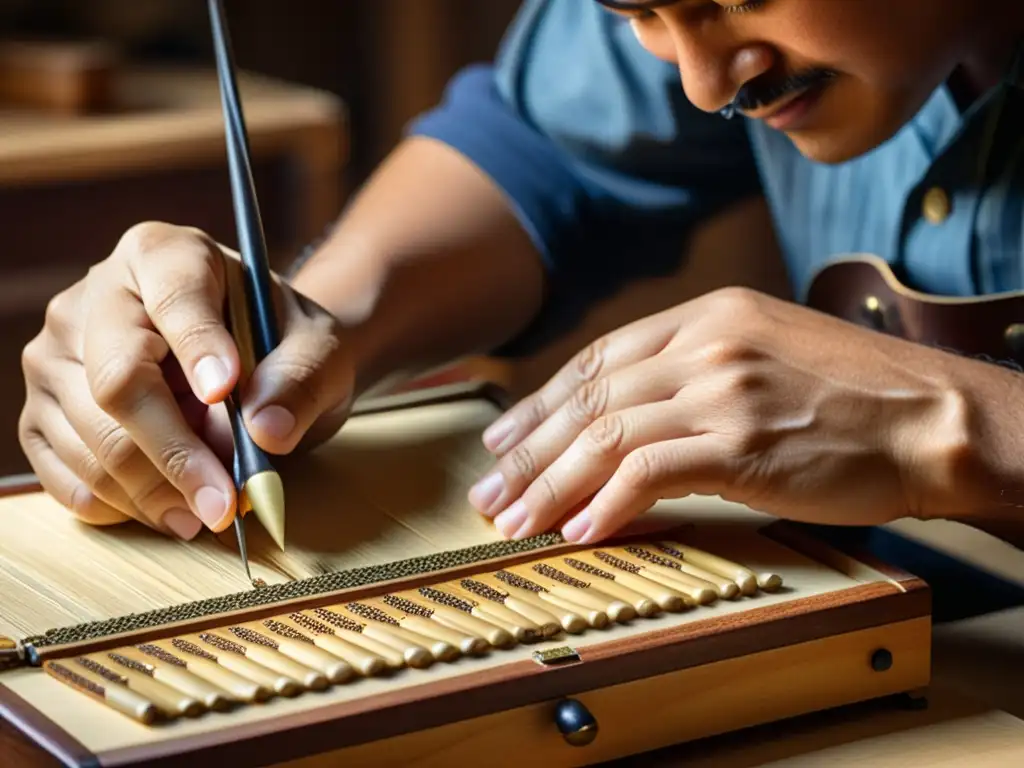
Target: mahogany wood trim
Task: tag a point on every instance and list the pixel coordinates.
(525, 682)
(18, 715)
(15, 485)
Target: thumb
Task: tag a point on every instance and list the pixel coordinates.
(309, 375)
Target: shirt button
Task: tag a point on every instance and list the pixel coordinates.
(936, 205)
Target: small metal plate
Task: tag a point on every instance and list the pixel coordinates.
(550, 657)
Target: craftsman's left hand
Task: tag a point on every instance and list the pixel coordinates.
(734, 394)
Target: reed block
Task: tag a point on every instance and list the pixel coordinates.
(833, 627)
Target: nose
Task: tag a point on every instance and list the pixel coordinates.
(712, 64)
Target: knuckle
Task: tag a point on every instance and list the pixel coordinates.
(59, 310)
(175, 459)
(640, 470)
(302, 373)
(96, 477)
(744, 381)
(728, 351)
(736, 301)
(605, 436)
(29, 434)
(537, 410)
(152, 497)
(179, 301)
(521, 462)
(115, 451)
(145, 237)
(114, 383)
(89, 509)
(546, 488)
(590, 360)
(589, 401)
(33, 360)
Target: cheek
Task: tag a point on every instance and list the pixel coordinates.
(907, 45)
(654, 38)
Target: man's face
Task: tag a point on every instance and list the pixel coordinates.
(839, 77)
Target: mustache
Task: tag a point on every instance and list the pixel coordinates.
(761, 92)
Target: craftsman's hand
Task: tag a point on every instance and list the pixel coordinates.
(122, 416)
(739, 395)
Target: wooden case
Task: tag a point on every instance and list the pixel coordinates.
(843, 628)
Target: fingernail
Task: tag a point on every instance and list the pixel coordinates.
(211, 376)
(212, 506)
(275, 421)
(486, 492)
(495, 435)
(183, 523)
(576, 529)
(511, 520)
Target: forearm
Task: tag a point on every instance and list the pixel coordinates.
(428, 263)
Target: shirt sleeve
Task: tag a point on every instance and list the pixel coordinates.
(603, 160)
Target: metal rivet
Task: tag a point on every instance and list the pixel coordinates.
(936, 206)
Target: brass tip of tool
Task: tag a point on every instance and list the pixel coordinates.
(265, 493)
(244, 505)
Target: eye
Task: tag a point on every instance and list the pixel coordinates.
(634, 13)
(743, 7)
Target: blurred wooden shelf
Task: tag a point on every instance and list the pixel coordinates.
(170, 119)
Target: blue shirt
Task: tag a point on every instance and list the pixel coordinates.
(608, 167)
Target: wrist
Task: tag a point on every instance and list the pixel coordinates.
(969, 458)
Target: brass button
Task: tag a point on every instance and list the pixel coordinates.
(1014, 337)
(936, 205)
(873, 312)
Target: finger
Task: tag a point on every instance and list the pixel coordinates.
(702, 464)
(587, 465)
(179, 277)
(649, 381)
(76, 456)
(114, 466)
(64, 485)
(619, 349)
(125, 379)
(304, 378)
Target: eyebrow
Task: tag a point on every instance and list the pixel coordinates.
(635, 5)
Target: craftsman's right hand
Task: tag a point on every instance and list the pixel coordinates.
(122, 417)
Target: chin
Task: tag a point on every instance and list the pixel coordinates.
(845, 141)
(832, 147)
(847, 124)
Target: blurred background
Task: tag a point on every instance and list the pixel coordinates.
(110, 115)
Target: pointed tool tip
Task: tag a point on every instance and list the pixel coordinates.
(266, 495)
(242, 548)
